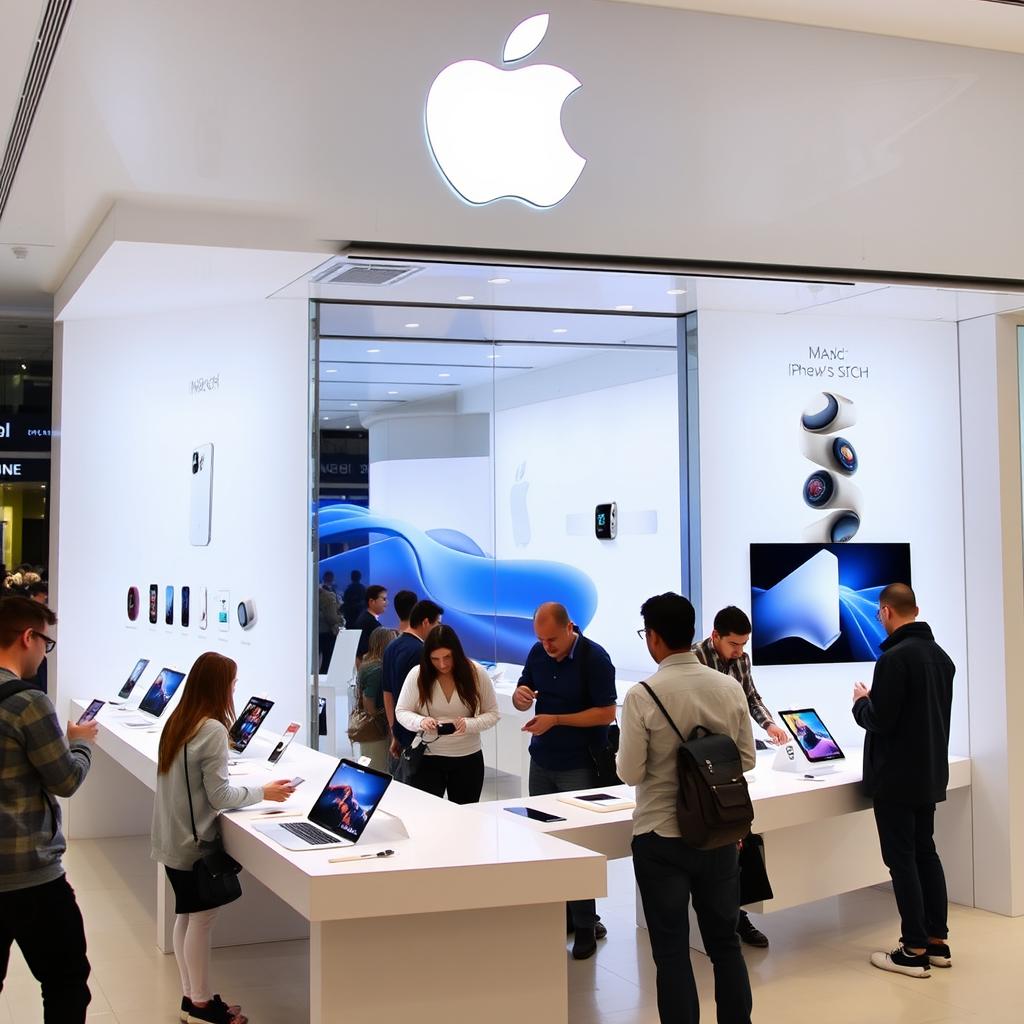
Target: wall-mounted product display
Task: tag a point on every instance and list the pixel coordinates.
(606, 521)
(827, 488)
(201, 606)
(153, 599)
(133, 603)
(223, 610)
(252, 717)
(186, 610)
(246, 612)
(814, 603)
(201, 504)
(169, 605)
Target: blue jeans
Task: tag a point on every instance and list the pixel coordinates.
(669, 873)
(581, 913)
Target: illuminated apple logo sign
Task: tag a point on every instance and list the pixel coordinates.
(497, 134)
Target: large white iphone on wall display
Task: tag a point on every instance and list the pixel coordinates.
(202, 495)
(201, 606)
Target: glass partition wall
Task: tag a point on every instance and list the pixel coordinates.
(477, 457)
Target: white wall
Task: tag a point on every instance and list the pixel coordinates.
(128, 422)
(582, 439)
(907, 438)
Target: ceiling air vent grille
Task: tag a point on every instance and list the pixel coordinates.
(55, 17)
(363, 274)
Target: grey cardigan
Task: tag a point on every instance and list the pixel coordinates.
(172, 843)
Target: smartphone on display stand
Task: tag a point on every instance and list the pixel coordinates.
(224, 610)
(169, 605)
(289, 734)
(152, 602)
(201, 504)
(201, 606)
(91, 712)
(186, 593)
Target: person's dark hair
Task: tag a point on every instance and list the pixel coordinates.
(732, 621)
(373, 591)
(37, 588)
(424, 611)
(327, 576)
(672, 617)
(403, 603)
(555, 611)
(20, 613)
(900, 598)
(355, 576)
(462, 671)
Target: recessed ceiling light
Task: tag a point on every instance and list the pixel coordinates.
(444, 375)
(494, 356)
(325, 417)
(347, 426)
(411, 326)
(330, 371)
(623, 309)
(497, 280)
(392, 392)
(464, 298)
(353, 405)
(372, 351)
(24, 367)
(676, 291)
(560, 330)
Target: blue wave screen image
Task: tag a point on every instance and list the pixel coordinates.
(489, 602)
(817, 603)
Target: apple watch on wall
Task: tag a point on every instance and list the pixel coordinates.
(587, 524)
(830, 488)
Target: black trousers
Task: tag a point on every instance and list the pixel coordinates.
(326, 643)
(461, 777)
(46, 923)
(906, 836)
(669, 874)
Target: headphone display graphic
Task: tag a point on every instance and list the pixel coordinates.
(829, 488)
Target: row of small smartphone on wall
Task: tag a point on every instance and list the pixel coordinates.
(192, 604)
(161, 692)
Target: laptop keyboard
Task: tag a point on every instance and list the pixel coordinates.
(310, 833)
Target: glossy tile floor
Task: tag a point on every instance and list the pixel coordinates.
(816, 969)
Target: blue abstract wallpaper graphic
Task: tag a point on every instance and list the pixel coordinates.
(489, 602)
(816, 603)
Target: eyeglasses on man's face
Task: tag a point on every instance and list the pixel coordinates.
(48, 641)
(642, 633)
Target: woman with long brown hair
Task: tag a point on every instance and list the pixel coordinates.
(450, 700)
(193, 765)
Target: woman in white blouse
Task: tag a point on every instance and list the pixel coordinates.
(451, 700)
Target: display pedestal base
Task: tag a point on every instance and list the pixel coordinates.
(519, 967)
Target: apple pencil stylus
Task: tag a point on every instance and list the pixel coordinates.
(362, 856)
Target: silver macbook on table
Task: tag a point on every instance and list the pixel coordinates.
(341, 812)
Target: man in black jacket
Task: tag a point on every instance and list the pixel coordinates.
(906, 770)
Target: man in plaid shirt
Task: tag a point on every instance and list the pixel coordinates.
(38, 763)
(723, 651)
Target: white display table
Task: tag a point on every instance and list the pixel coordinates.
(462, 888)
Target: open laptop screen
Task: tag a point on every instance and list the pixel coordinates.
(159, 695)
(349, 799)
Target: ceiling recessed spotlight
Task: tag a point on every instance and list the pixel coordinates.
(465, 298)
(624, 309)
(494, 355)
(353, 405)
(392, 392)
(444, 375)
(330, 371)
(676, 291)
(24, 367)
(560, 330)
(372, 351)
(411, 326)
(348, 426)
(497, 280)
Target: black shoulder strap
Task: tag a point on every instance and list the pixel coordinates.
(188, 788)
(668, 717)
(9, 689)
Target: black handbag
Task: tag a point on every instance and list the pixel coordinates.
(411, 758)
(755, 886)
(216, 872)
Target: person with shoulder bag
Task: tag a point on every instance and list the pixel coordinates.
(686, 699)
(448, 700)
(192, 787)
(367, 723)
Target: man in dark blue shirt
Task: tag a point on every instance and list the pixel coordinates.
(400, 657)
(376, 602)
(572, 681)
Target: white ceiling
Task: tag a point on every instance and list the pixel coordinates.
(980, 23)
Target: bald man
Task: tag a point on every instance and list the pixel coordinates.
(571, 680)
(906, 715)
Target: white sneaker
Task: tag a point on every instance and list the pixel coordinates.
(899, 961)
